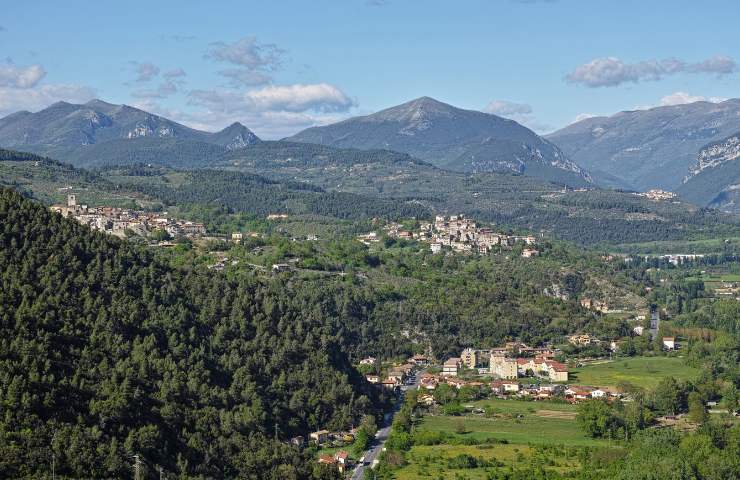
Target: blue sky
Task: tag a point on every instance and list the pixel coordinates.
(280, 66)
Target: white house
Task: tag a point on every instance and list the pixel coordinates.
(669, 343)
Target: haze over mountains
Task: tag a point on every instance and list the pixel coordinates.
(645, 149)
(451, 138)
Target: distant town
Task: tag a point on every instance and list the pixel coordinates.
(123, 221)
(456, 233)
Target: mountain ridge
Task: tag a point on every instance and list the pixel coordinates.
(449, 137)
(68, 125)
(644, 149)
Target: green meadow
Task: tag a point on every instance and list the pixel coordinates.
(644, 372)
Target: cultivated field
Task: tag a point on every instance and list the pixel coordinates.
(644, 372)
(537, 435)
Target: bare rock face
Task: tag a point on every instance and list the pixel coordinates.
(646, 149)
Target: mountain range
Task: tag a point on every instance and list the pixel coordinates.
(83, 134)
(451, 138)
(690, 148)
(644, 149)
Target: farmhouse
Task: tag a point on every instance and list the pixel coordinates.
(419, 360)
(669, 343)
(503, 386)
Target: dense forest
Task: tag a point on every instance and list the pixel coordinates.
(248, 193)
(106, 351)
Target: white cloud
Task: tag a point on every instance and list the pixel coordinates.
(519, 112)
(21, 77)
(37, 98)
(254, 60)
(506, 108)
(145, 71)
(583, 116)
(612, 71)
(272, 112)
(680, 98)
(320, 97)
(247, 52)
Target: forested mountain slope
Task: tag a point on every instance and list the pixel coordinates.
(106, 351)
(452, 138)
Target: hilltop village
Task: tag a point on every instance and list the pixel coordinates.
(457, 233)
(123, 221)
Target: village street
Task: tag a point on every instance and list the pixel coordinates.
(377, 446)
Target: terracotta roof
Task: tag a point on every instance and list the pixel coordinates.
(327, 459)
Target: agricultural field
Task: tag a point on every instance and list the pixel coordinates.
(644, 372)
(516, 421)
(444, 461)
(514, 434)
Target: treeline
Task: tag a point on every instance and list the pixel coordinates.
(106, 351)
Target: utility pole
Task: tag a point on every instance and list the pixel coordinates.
(53, 458)
(137, 467)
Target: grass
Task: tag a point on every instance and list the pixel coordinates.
(644, 372)
(531, 428)
(539, 433)
(425, 462)
(524, 406)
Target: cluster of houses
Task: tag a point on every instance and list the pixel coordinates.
(506, 363)
(340, 460)
(397, 375)
(116, 221)
(657, 195)
(458, 233)
(501, 387)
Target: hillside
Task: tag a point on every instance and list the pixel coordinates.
(714, 180)
(586, 217)
(107, 351)
(357, 185)
(49, 181)
(644, 149)
(68, 131)
(156, 187)
(451, 138)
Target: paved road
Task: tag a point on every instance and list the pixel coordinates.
(377, 445)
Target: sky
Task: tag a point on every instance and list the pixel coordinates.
(281, 66)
